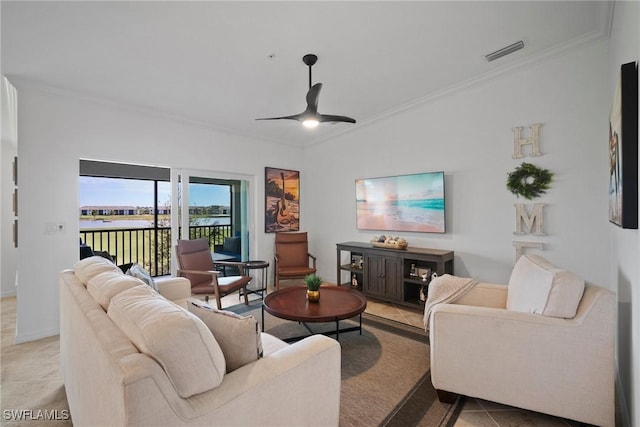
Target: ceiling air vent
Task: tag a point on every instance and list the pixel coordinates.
(504, 51)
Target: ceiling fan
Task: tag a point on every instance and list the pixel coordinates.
(310, 117)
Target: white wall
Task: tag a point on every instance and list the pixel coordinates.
(625, 274)
(468, 134)
(8, 151)
(56, 131)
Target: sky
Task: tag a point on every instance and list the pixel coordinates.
(421, 185)
(131, 192)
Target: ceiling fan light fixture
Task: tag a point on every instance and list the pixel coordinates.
(310, 122)
(310, 117)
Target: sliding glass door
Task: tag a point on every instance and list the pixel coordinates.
(215, 206)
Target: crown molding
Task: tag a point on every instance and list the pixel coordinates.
(29, 85)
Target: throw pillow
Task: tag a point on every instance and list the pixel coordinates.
(136, 270)
(176, 339)
(104, 286)
(537, 286)
(238, 336)
(86, 268)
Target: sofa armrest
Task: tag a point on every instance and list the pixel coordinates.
(276, 388)
(174, 288)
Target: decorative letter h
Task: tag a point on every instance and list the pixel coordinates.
(518, 141)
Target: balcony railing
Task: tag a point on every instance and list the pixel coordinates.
(149, 247)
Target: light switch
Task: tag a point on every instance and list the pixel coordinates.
(55, 228)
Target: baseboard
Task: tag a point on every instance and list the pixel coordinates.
(37, 335)
(622, 403)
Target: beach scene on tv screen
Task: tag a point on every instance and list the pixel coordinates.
(402, 203)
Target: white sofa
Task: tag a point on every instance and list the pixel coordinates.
(558, 366)
(108, 381)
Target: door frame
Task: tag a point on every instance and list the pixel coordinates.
(181, 186)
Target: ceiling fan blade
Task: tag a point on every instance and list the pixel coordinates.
(310, 117)
(293, 117)
(312, 98)
(324, 118)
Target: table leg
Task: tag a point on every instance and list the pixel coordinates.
(262, 307)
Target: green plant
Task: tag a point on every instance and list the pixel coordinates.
(529, 181)
(313, 282)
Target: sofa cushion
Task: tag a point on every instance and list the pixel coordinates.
(537, 286)
(104, 286)
(176, 339)
(86, 268)
(238, 336)
(136, 270)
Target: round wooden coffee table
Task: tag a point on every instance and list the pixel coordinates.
(336, 303)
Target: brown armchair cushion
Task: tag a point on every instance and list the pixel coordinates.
(201, 261)
(292, 250)
(293, 255)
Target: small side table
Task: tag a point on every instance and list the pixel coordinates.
(263, 266)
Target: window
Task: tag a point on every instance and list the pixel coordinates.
(125, 212)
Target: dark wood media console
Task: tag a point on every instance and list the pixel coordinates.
(385, 274)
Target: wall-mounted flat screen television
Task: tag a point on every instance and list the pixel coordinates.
(402, 203)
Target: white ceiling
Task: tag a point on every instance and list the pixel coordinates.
(208, 62)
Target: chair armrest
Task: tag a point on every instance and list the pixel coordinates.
(203, 272)
(212, 273)
(174, 288)
(485, 295)
(313, 258)
(238, 264)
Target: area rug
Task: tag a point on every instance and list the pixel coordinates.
(385, 371)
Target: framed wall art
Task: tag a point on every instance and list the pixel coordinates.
(413, 202)
(282, 200)
(623, 149)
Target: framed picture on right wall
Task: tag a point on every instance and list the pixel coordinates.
(623, 149)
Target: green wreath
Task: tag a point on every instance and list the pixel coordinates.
(529, 181)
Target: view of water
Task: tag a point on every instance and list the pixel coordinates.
(143, 223)
(424, 215)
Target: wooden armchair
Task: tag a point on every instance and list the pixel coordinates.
(292, 257)
(196, 264)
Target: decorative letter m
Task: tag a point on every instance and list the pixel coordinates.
(536, 218)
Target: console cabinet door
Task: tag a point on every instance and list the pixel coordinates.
(382, 277)
(373, 282)
(392, 278)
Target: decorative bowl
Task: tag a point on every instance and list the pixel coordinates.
(399, 245)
